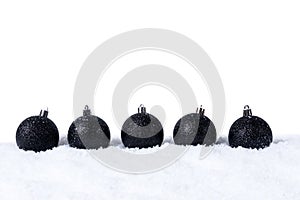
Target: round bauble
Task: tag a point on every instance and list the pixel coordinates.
(88, 132)
(37, 133)
(250, 132)
(142, 130)
(194, 129)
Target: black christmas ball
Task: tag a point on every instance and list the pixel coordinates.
(88, 132)
(142, 130)
(37, 133)
(250, 132)
(194, 129)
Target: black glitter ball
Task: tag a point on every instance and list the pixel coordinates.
(37, 133)
(88, 132)
(142, 130)
(250, 132)
(194, 129)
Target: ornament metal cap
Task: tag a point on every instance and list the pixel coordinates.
(141, 109)
(44, 113)
(86, 110)
(200, 111)
(247, 111)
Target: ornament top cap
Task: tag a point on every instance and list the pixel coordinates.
(141, 109)
(200, 111)
(86, 110)
(247, 111)
(44, 113)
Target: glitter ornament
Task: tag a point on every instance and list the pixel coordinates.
(142, 130)
(194, 129)
(250, 131)
(88, 132)
(37, 133)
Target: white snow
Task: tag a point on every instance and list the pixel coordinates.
(67, 173)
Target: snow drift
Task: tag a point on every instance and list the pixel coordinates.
(227, 173)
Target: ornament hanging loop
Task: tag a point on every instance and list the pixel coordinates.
(44, 113)
(247, 111)
(86, 111)
(200, 111)
(142, 109)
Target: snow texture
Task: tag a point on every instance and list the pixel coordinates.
(226, 173)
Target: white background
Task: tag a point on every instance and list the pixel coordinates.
(255, 46)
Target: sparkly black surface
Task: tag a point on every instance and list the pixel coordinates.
(142, 130)
(250, 132)
(193, 129)
(37, 133)
(89, 132)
